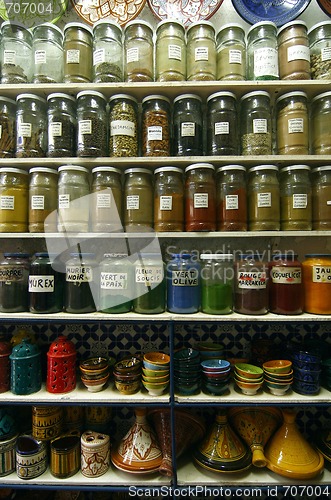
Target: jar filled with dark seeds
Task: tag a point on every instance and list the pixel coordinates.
(16, 53)
(92, 124)
(187, 125)
(62, 125)
(7, 127)
(31, 126)
(138, 52)
(222, 124)
(156, 126)
(47, 49)
(255, 122)
(320, 50)
(123, 120)
(107, 52)
(77, 50)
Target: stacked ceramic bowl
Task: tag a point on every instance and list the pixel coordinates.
(248, 377)
(156, 372)
(215, 376)
(94, 373)
(307, 367)
(187, 371)
(210, 350)
(278, 376)
(326, 373)
(127, 375)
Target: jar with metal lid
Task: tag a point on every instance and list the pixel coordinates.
(138, 52)
(168, 199)
(106, 207)
(25, 377)
(263, 198)
(170, 51)
(293, 51)
(150, 286)
(262, 52)
(92, 129)
(138, 199)
(78, 53)
(231, 52)
(81, 287)
(62, 125)
(187, 125)
(116, 283)
(222, 124)
(156, 126)
(319, 37)
(14, 276)
(43, 199)
(31, 126)
(16, 53)
(316, 272)
(73, 202)
(107, 52)
(201, 51)
(285, 285)
(320, 124)
(183, 284)
(123, 125)
(255, 123)
(321, 198)
(47, 49)
(217, 278)
(292, 125)
(14, 200)
(46, 285)
(251, 285)
(200, 197)
(231, 198)
(7, 127)
(295, 198)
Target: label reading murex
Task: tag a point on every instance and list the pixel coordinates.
(165, 202)
(73, 56)
(263, 200)
(40, 57)
(9, 56)
(11, 273)
(321, 274)
(326, 54)
(37, 202)
(24, 129)
(79, 274)
(103, 200)
(132, 202)
(231, 202)
(132, 55)
(235, 56)
(187, 129)
(122, 127)
(300, 200)
(266, 62)
(7, 202)
(286, 275)
(185, 278)
(222, 128)
(201, 54)
(113, 281)
(200, 200)
(295, 125)
(85, 127)
(41, 284)
(64, 200)
(55, 130)
(98, 56)
(175, 52)
(154, 133)
(252, 279)
(260, 126)
(148, 274)
(298, 52)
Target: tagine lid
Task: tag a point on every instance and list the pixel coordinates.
(61, 347)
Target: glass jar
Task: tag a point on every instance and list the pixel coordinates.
(138, 199)
(231, 198)
(123, 129)
(81, 287)
(263, 198)
(170, 51)
(7, 127)
(285, 285)
(222, 124)
(73, 202)
(107, 52)
(187, 125)
(46, 285)
(262, 52)
(106, 208)
(47, 48)
(251, 285)
(43, 200)
(321, 198)
(155, 126)
(77, 50)
(92, 134)
(138, 52)
(293, 51)
(320, 124)
(295, 198)
(319, 37)
(14, 200)
(316, 272)
(201, 51)
(168, 199)
(16, 53)
(31, 126)
(62, 125)
(231, 53)
(150, 287)
(183, 284)
(292, 124)
(200, 197)
(256, 126)
(116, 283)
(14, 276)
(217, 277)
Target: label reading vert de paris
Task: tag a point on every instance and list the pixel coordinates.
(79, 274)
(286, 275)
(252, 279)
(113, 281)
(148, 275)
(185, 278)
(321, 274)
(122, 127)
(41, 284)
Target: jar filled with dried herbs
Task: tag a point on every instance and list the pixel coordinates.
(107, 52)
(16, 53)
(201, 52)
(47, 48)
(92, 133)
(77, 51)
(156, 126)
(262, 52)
(292, 124)
(7, 127)
(295, 198)
(43, 200)
(62, 125)
(231, 53)
(31, 126)
(321, 124)
(222, 124)
(255, 123)
(123, 121)
(319, 37)
(263, 198)
(138, 52)
(138, 200)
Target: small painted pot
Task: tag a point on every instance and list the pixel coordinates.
(65, 455)
(95, 457)
(98, 418)
(31, 457)
(47, 422)
(8, 455)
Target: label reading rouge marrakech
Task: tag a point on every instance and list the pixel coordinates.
(252, 279)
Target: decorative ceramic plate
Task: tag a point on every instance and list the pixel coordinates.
(325, 5)
(185, 11)
(120, 11)
(278, 11)
(31, 14)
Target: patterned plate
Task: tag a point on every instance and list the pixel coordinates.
(31, 14)
(325, 5)
(278, 11)
(185, 11)
(120, 11)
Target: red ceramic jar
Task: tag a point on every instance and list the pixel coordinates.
(61, 366)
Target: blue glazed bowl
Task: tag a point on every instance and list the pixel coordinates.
(306, 356)
(215, 364)
(186, 355)
(214, 389)
(307, 375)
(305, 388)
(189, 389)
(305, 365)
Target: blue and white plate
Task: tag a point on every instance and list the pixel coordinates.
(278, 11)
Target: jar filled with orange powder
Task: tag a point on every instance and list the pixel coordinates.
(317, 283)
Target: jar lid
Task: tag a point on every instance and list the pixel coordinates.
(123, 96)
(199, 165)
(60, 95)
(137, 22)
(43, 170)
(137, 170)
(155, 97)
(187, 96)
(7, 99)
(200, 23)
(291, 256)
(168, 169)
(295, 93)
(48, 25)
(290, 168)
(309, 255)
(61, 347)
(170, 21)
(181, 255)
(106, 169)
(105, 22)
(82, 254)
(322, 24)
(30, 96)
(230, 26)
(44, 255)
(255, 93)
(25, 350)
(292, 24)
(325, 168)
(260, 24)
(17, 255)
(216, 256)
(255, 256)
(72, 167)
(15, 25)
(12, 170)
(223, 93)
(263, 167)
(116, 255)
(320, 96)
(231, 167)
(91, 93)
(78, 25)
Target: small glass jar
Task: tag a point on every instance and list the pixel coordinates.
(293, 51)
(285, 285)
(262, 52)
(43, 200)
(231, 53)
(47, 48)
(78, 53)
(107, 52)
(31, 126)
(14, 276)
(201, 51)
(292, 124)
(46, 285)
(320, 124)
(295, 198)
(73, 202)
(251, 285)
(14, 200)
(16, 53)
(92, 133)
(81, 287)
(138, 199)
(183, 284)
(319, 37)
(263, 198)
(170, 51)
(62, 125)
(255, 120)
(123, 125)
(156, 126)
(187, 125)
(200, 197)
(321, 198)
(168, 199)
(138, 52)
(316, 271)
(222, 124)
(106, 208)
(116, 283)
(217, 278)
(7, 127)
(150, 284)
(231, 198)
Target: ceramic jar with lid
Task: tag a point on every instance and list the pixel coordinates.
(285, 284)
(321, 197)
(138, 52)
(170, 51)
(156, 126)
(200, 197)
(73, 204)
(217, 277)
(92, 129)
(123, 125)
(14, 200)
(201, 51)
(47, 49)
(46, 285)
(138, 199)
(255, 123)
(295, 198)
(319, 36)
(8, 127)
(106, 208)
(16, 53)
(187, 125)
(43, 198)
(61, 366)
(222, 124)
(293, 51)
(77, 51)
(25, 366)
(14, 275)
(168, 199)
(81, 288)
(250, 285)
(62, 125)
(262, 51)
(107, 52)
(317, 283)
(231, 198)
(263, 198)
(320, 124)
(31, 126)
(231, 53)
(292, 125)
(95, 457)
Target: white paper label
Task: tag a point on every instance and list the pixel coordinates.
(40, 57)
(201, 54)
(114, 281)
(103, 200)
(321, 274)
(231, 202)
(266, 62)
(37, 202)
(165, 202)
(24, 129)
(300, 201)
(286, 275)
(64, 200)
(260, 126)
(0, 131)
(235, 56)
(148, 274)
(263, 200)
(132, 55)
(200, 200)
(132, 202)
(175, 52)
(154, 133)
(295, 125)
(252, 279)
(187, 129)
(79, 274)
(298, 52)
(9, 56)
(222, 128)
(185, 278)
(326, 53)
(85, 127)
(7, 202)
(55, 129)
(98, 56)
(73, 56)
(41, 284)
(122, 127)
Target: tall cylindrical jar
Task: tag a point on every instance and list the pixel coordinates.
(43, 200)
(25, 364)
(251, 285)
(231, 53)
(292, 124)
(78, 53)
(231, 198)
(81, 287)
(73, 202)
(262, 52)
(14, 276)
(47, 48)
(168, 199)
(217, 278)
(92, 129)
(170, 51)
(295, 198)
(14, 200)
(200, 197)
(263, 198)
(319, 37)
(138, 199)
(31, 126)
(321, 197)
(116, 283)
(150, 284)
(183, 284)
(106, 207)
(123, 125)
(317, 283)
(201, 51)
(16, 53)
(320, 124)
(222, 124)
(156, 126)
(285, 285)
(62, 125)
(46, 285)
(187, 125)
(255, 123)
(7, 127)
(138, 52)
(293, 51)
(107, 52)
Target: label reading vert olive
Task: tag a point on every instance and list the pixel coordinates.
(185, 278)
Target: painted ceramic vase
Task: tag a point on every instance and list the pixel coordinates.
(65, 455)
(61, 366)
(31, 457)
(73, 417)
(97, 418)
(47, 422)
(95, 453)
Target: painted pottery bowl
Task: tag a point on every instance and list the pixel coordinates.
(212, 365)
(278, 377)
(248, 370)
(95, 385)
(306, 356)
(128, 387)
(308, 375)
(214, 389)
(154, 373)
(94, 365)
(158, 380)
(248, 388)
(157, 358)
(249, 380)
(278, 389)
(128, 365)
(155, 389)
(302, 387)
(277, 366)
